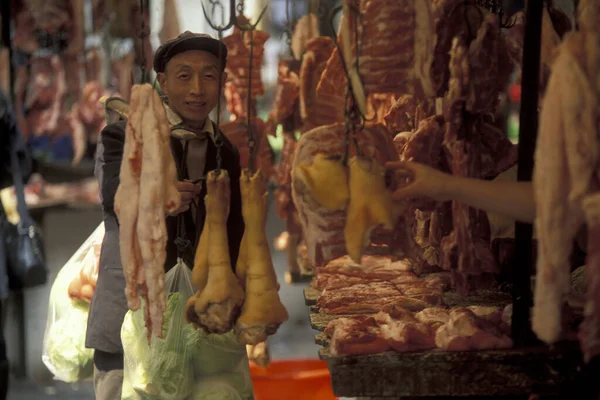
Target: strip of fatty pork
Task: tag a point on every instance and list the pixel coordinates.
(151, 227)
(566, 159)
(127, 199)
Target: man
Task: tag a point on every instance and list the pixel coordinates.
(191, 73)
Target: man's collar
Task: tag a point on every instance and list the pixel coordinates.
(180, 132)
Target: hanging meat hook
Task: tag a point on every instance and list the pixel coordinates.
(351, 111)
(344, 50)
(289, 23)
(466, 5)
(220, 29)
(495, 6)
(247, 26)
(218, 140)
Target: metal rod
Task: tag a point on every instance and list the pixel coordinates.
(528, 126)
(142, 36)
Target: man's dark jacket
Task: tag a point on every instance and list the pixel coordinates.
(109, 304)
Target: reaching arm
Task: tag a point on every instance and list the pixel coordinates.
(512, 199)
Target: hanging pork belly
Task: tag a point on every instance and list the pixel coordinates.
(315, 108)
(566, 180)
(146, 193)
(393, 43)
(306, 29)
(285, 105)
(238, 56)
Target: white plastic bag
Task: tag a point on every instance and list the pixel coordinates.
(187, 364)
(64, 352)
(161, 369)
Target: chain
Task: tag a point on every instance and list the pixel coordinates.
(218, 138)
(347, 122)
(249, 111)
(241, 7)
(354, 114)
(141, 37)
(289, 25)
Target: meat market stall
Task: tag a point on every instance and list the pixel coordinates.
(423, 298)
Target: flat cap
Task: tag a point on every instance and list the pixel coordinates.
(188, 41)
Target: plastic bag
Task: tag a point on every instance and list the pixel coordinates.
(83, 285)
(64, 352)
(182, 364)
(160, 369)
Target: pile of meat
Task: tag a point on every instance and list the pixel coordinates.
(322, 88)
(453, 133)
(566, 184)
(399, 329)
(442, 109)
(350, 288)
(383, 305)
(146, 193)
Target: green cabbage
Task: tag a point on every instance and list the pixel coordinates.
(162, 370)
(65, 353)
(187, 364)
(215, 354)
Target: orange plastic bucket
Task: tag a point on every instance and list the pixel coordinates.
(301, 379)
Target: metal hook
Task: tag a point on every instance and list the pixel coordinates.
(231, 22)
(218, 140)
(334, 11)
(495, 6)
(507, 22)
(289, 25)
(247, 27)
(465, 4)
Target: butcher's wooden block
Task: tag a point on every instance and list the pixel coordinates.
(439, 373)
(320, 321)
(479, 298)
(293, 278)
(322, 339)
(311, 296)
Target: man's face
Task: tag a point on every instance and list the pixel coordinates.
(191, 82)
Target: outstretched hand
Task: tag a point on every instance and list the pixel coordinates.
(418, 180)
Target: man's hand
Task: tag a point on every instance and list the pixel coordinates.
(418, 180)
(188, 191)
